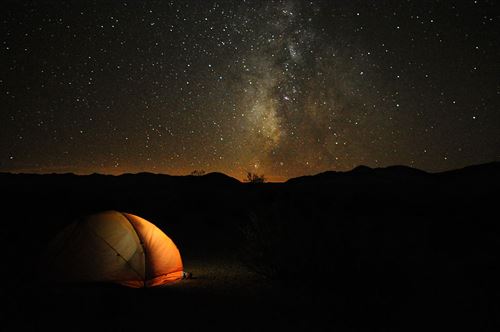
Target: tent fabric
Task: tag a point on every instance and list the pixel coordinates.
(114, 247)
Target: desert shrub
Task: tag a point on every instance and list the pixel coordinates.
(198, 172)
(280, 242)
(302, 238)
(255, 178)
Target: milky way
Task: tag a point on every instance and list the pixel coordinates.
(281, 88)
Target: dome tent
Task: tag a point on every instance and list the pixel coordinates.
(113, 247)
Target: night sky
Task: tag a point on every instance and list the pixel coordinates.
(281, 88)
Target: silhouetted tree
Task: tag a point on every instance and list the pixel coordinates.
(198, 172)
(255, 178)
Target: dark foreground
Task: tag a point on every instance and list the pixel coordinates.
(368, 250)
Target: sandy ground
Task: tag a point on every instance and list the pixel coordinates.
(223, 295)
(424, 261)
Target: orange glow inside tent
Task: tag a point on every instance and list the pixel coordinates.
(113, 247)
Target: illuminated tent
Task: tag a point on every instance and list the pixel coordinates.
(113, 247)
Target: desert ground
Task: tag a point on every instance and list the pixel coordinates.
(366, 250)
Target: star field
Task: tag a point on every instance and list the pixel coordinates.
(281, 88)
